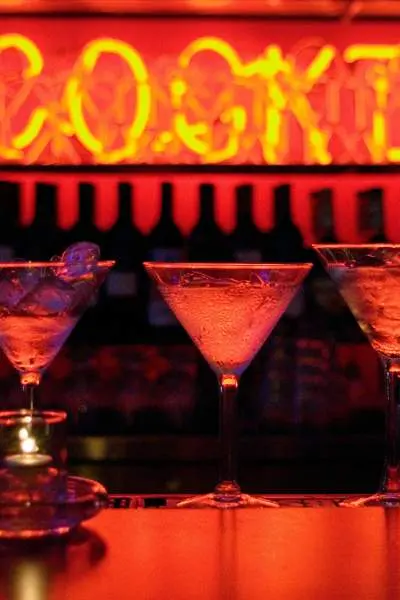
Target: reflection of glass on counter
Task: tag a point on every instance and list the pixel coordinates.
(29, 580)
(39, 574)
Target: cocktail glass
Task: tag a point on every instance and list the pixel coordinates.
(40, 304)
(368, 278)
(228, 310)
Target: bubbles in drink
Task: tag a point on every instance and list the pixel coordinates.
(373, 295)
(229, 320)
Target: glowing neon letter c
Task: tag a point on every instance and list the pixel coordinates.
(35, 67)
(74, 95)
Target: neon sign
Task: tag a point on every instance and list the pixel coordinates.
(207, 104)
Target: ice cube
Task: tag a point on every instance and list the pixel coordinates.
(80, 260)
(10, 294)
(29, 277)
(84, 295)
(50, 297)
(15, 284)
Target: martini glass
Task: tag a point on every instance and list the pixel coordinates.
(40, 304)
(368, 277)
(228, 310)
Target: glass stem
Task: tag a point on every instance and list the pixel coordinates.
(391, 477)
(227, 486)
(29, 389)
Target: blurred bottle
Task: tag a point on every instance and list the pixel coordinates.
(123, 290)
(246, 239)
(371, 216)
(44, 238)
(363, 389)
(85, 229)
(276, 390)
(207, 243)
(327, 312)
(326, 296)
(285, 242)
(10, 229)
(247, 242)
(317, 330)
(166, 244)
(312, 382)
(323, 216)
(326, 323)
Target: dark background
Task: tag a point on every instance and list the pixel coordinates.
(142, 402)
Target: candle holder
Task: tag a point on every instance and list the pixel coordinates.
(37, 497)
(33, 455)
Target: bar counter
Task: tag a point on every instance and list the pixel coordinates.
(185, 554)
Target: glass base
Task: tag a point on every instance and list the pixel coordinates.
(382, 499)
(237, 501)
(82, 500)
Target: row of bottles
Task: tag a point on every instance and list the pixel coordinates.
(43, 236)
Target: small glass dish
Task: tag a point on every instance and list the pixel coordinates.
(37, 497)
(81, 500)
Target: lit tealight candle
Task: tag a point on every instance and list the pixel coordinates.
(27, 460)
(29, 455)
